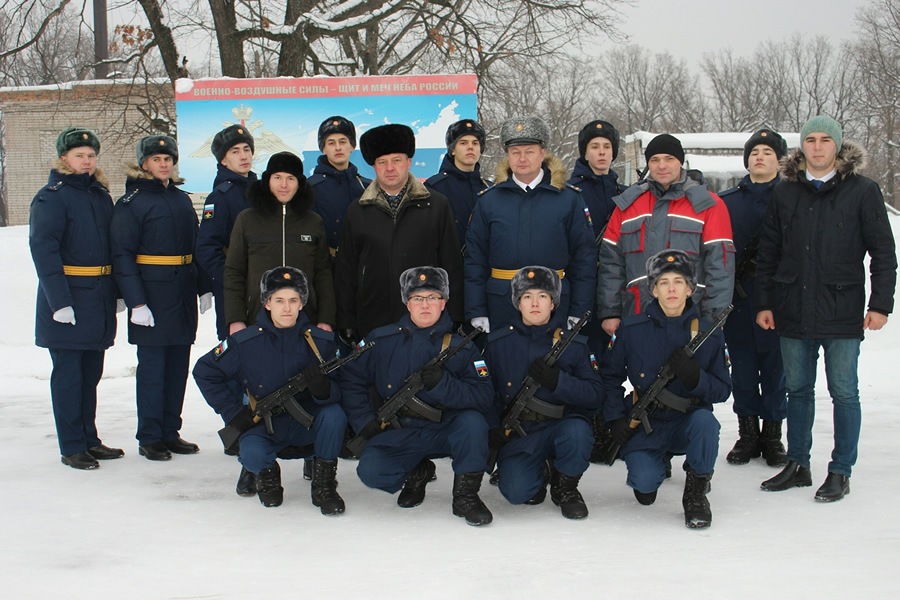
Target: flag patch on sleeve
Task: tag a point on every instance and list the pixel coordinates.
(221, 349)
(587, 213)
(209, 211)
(481, 368)
(594, 362)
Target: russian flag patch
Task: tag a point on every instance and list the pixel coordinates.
(594, 362)
(481, 368)
(587, 213)
(209, 211)
(221, 349)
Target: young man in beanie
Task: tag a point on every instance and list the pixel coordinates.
(665, 210)
(263, 358)
(75, 316)
(233, 149)
(518, 351)
(642, 345)
(396, 458)
(530, 217)
(460, 177)
(756, 367)
(823, 219)
(335, 180)
(396, 224)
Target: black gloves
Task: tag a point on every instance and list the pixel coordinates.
(544, 374)
(685, 368)
(371, 429)
(317, 382)
(350, 337)
(432, 375)
(497, 437)
(620, 430)
(243, 420)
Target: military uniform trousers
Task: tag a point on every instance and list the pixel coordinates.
(759, 384)
(259, 449)
(73, 393)
(161, 380)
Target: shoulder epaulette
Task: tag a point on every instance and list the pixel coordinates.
(322, 334)
(385, 331)
(247, 333)
(572, 187)
(316, 179)
(436, 178)
(578, 339)
(501, 333)
(55, 186)
(223, 187)
(129, 197)
(729, 191)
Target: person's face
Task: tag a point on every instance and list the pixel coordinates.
(599, 155)
(762, 164)
(337, 150)
(239, 159)
(159, 166)
(283, 186)
(81, 160)
(467, 152)
(672, 291)
(425, 307)
(536, 307)
(820, 152)
(392, 172)
(665, 169)
(284, 306)
(525, 161)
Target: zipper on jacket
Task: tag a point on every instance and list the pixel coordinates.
(283, 218)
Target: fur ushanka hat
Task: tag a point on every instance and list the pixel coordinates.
(417, 279)
(535, 278)
(229, 137)
(280, 278)
(387, 139)
(672, 261)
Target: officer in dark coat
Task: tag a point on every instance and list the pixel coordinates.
(154, 232)
(75, 315)
(233, 148)
(395, 458)
(517, 351)
(261, 359)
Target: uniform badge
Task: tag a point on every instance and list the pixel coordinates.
(612, 342)
(587, 213)
(727, 359)
(594, 362)
(221, 349)
(305, 238)
(209, 211)
(481, 368)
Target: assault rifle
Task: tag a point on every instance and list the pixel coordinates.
(658, 394)
(746, 266)
(511, 420)
(405, 397)
(283, 399)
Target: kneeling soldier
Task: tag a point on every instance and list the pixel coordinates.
(642, 345)
(262, 358)
(458, 394)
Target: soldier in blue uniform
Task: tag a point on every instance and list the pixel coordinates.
(565, 443)
(642, 345)
(154, 232)
(395, 458)
(233, 148)
(75, 315)
(261, 359)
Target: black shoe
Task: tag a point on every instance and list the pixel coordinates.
(564, 493)
(155, 451)
(645, 499)
(80, 460)
(770, 444)
(246, 485)
(307, 469)
(697, 513)
(102, 452)
(541, 494)
(494, 479)
(324, 487)
(268, 486)
(748, 445)
(792, 475)
(466, 502)
(413, 492)
(835, 487)
(180, 446)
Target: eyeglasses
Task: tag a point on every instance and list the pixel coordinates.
(421, 299)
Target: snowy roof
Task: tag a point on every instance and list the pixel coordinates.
(716, 166)
(711, 141)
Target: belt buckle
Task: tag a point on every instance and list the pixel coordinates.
(106, 270)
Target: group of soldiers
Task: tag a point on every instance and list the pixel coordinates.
(491, 322)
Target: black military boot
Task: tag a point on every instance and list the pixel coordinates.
(324, 487)
(466, 502)
(601, 439)
(246, 484)
(564, 493)
(541, 494)
(308, 469)
(697, 513)
(413, 492)
(268, 486)
(770, 444)
(748, 445)
(792, 475)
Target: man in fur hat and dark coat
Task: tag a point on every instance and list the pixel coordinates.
(75, 315)
(529, 217)
(824, 217)
(396, 224)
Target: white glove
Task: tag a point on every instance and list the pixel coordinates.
(206, 302)
(142, 316)
(120, 305)
(572, 321)
(65, 315)
(481, 323)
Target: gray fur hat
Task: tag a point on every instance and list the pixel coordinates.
(156, 144)
(336, 124)
(424, 278)
(76, 137)
(280, 278)
(387, 139)
(672, 261)
(229, 137)
(461, 128)
(596, 129)
(523, 131)
(535, 277)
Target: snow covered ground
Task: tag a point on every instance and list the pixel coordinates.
(140, 529)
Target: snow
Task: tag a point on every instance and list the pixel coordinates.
(139, 529)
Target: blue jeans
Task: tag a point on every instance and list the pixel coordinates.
(841, 358)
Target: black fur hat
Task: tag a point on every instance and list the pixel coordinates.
(387, 139)
(535, 278)
(424, 278)
(284, 162)
(665, 144)
(596, 129)
(770, 139)
(229, 137)
(672, 261)
(152, 145)
(461, 128)
(76, 137)
(280, 278)
(336, 124)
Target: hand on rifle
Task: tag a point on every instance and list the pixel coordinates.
(621, 431)
(316, 381)
(243, 420)
(497, 438)
(431, 376)
(371, 429)
(544, 374)
(685, 368)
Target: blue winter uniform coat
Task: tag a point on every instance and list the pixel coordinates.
(462, 189)
(69, 225)
(598, 192)
(335, 190)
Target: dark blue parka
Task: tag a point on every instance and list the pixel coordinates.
(156, 220)
(642, 345)
(69, 225)
(462, 189)
(598, 192)
(402, 349)
(334, 191)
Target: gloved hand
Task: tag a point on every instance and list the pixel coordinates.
(544, 374)
(243, 420)
(350, 337)
(206, 301)
(685, 368)
(431, 376)
(620, 430)
(371, 429)
(497, 437)
(570, 323)
(65, 315)
(481, 323)
(141, 315)
(317, 382)
(120, 305)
